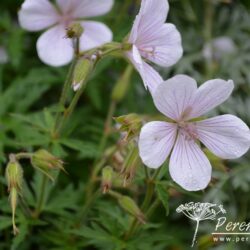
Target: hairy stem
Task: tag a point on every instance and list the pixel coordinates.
(66, 87)
(144, 207)
(41, 197)
(98, 165)
(23, 156)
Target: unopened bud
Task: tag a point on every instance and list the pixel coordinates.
(82, 70)
(130, 165)
(122, 85)
(131, 124)
(107, 175)
(13, 203)
(45, 161)
(131, 207)
(75, 30)
(14, 174)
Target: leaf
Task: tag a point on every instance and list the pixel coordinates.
(87, 149)
(5, 222)
(163, 196)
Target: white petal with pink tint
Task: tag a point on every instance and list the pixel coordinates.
(151, 78)
(37, 15)
(95, 34)
(54, 48)
(211, 94)
(85, 8)
(161, 46)
(155, 142)
(226, 136)
(189, 167)
(174, 96)
(152, 15)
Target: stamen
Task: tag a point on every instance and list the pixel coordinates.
(188, 130)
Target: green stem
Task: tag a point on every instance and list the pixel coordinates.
(98, 165)
(149, 195)
(208, 27)
(146, 172)
(87, 206)
(70, 109)
(23, 156)
(41, 197)
(147, 200)
(135, 225)
(152, 208)
(66, 87)
(107, 127)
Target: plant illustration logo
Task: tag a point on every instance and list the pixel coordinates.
(200, 212)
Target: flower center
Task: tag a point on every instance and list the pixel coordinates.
(188, 130)
(147, 52)
(66, 19)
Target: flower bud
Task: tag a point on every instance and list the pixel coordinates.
(75, 30)
(13, 203)
(131, 124)
(14, 174)
(131, 207)
(130, 165)
(14, 177)
(82, 70)
(122, 85)
(107, 175)
(44, 161)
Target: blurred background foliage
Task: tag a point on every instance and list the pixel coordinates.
(216, 35)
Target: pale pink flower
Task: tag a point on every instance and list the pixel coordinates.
(53, 47)
(153, 40)
(227, 136)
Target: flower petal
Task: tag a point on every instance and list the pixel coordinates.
(162, 46)
(85, 8)
(37, 15)
(173, 97)
(152, 14)
(226, 136)
(95, 34)
(151, 78)
(54, 48)
(189, 167)
(209, 95)
(155, 142)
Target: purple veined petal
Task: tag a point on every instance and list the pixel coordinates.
(226, 136)
(189, 166)
(151, 78)
(162, 46)
(85, 8)
(95, 34)
(37, 15)
(155, 142)
(173, 97)
(54, 48)
(152, 15)
(209, 95)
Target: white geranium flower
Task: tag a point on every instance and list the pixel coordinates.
(178, 98)
(53, 47)
(153, 40)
